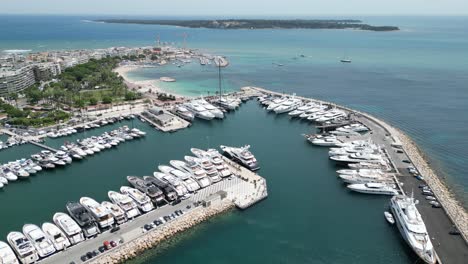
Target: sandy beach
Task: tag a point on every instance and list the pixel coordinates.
(146, 86)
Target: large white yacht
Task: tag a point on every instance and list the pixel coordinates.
(199, 111)
(57, 236)
(353, 179)
(180, 188)
(356, 127)
(331, 115)
(7, 256)
(191, 184)
(357, 157)
(219, 163)
(276, 102)
(242, 155)
(207, 166)
(124, 202)
(143, 202)
(374, 188)
(23, 248)
(325, 141)
(70, 227)
(101, 215)
(412, 227)
(288, 106)
(117, 212)
(302, 109)
(228, 103)
(39, 240)
(211, 108)
(361, 172)
(194, 169)
(184, 113)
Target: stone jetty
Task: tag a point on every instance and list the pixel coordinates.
(131, 249)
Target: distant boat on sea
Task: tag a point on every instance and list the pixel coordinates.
(345, 60)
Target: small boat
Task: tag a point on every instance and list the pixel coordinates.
(7, 256)
(56, 236)
(23, 247)
(389, 217)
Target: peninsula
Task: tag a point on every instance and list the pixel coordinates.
(258, 24)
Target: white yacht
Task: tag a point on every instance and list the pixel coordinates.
(354, 179)
(356, 127)
(181, 189)
(357, 157)
(124, 202)
(331, 115)
(194, 169)
(211, 108)
(243, 156)
(325, 141)
(143, 202)
(276, 102)
(39, 240)
(228, 103)
(57, 236)
(219, 163)
(184, 113)
(199, 111)
(207, 166)
(412, 227)
(288, 106)
(374, 188)
(23, 248)
(117, 212)
(70, 227)
(7, 256)
(192, 185)
(361, 172)
(100, 214)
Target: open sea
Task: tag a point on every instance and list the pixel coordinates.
(415, 79)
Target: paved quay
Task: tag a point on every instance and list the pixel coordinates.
(234, 187)
(439, 221)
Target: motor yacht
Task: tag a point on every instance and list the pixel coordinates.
(374, 188)
(56, 236)
(207, 166)
(356, 127)
(142, 201)
(23, 248)
(227, 103)
(190, 183)
(324, 141)
(199, 111)
(211, 108)
(154, 193)
(40, 242)
(184, 113)
(117, 212)
(83, 218)
(412, 227)
(219, 163)
(7, 256)
(242, 155)
(288, 106)
(331, 115)
(63, 156)
(361, 172)
(276, 102)
(125, 202)
(357, 157)
(181, 190)
(9, 174)
(353, 179)
(169, 191)
(195, 170)
(70, 227)
(100, 214)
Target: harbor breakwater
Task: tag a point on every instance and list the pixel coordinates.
(453, 208)
(152, 238)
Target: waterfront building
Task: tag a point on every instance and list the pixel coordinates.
(16, 79)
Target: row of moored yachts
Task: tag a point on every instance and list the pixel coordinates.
(369, 171)
(46, 159)
(201, 108)
(299, 108)
(87, 218)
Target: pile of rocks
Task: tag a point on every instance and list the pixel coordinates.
(152, 238)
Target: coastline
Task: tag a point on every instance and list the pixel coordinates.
(141, 86)
(451, 205)
(150, 239)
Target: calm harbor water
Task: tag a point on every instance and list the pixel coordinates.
(414, 78)
(309, 216)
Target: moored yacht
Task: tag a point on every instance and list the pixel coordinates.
(70, 227)
(7, 256)
(199, 111)
(194, 169)
(357, 157)
(117, 212)
(352, 179)
(211, 108)
(56, 236)
(100, 214)
(412, 227)
(23, 248)
(124, 202)
(83, 218)
(184, 113)
(154, 193)
(143, 202)
(39, 240)
(169, 191)
(374, 188)
(288, 106)
(242, 155)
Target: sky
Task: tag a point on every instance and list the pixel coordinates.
(236, 7)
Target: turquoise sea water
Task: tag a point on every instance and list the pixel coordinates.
(416, 79)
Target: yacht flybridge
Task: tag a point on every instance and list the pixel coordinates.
(242, 156)
(117, 212)
(41, 243)
(154, 193)
(124, 202)
(199, 111)
(70, 227)
(23, 248)
(143, 202)
(83, 218)
(56, 236)
(7, 256)
(100, 214)
(374, 188)
(412, 227)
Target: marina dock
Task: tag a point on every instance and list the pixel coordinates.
(403, 152)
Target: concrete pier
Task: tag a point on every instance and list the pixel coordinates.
(439, 222)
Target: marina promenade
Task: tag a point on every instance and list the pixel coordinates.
(440, 222)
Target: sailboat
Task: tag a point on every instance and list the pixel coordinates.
(345, 59)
